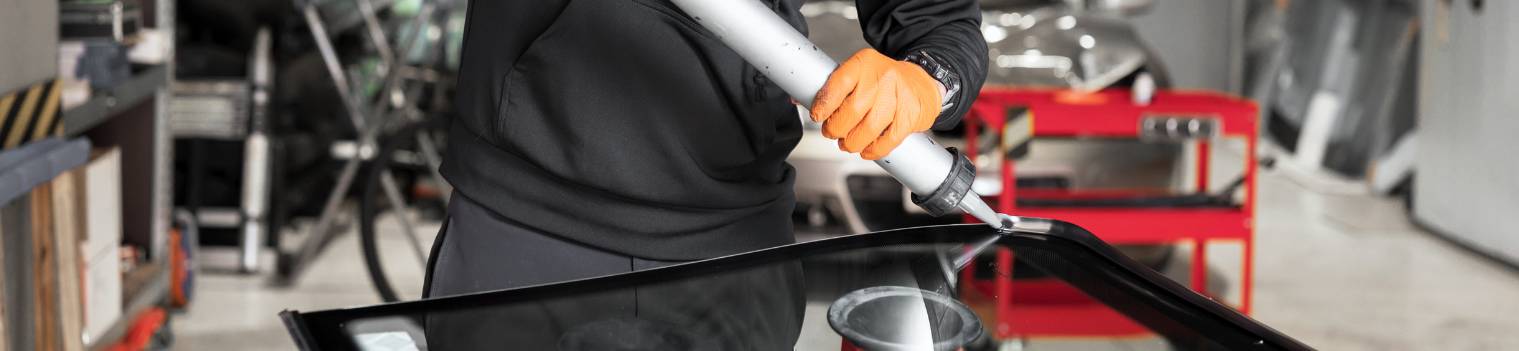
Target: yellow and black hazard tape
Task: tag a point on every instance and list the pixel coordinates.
(30, 113)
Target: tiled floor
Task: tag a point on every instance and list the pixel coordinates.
(1339, 272)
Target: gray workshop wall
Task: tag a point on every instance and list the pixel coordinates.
(1200, 41)
(1201, 44)
(1466, 171)
(28, 42)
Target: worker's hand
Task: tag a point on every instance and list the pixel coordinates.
(872, 102)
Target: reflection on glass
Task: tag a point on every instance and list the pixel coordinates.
(387, 334)
(902, 318)
(754, 308)
(899, 297)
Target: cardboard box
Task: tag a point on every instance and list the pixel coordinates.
(102, 290)
(102, 293)
(101, 191)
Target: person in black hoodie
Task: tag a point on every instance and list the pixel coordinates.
(601, 137)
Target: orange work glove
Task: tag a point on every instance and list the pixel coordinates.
(872, 102)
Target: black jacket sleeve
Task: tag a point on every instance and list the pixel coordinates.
(949, 30)
(496, 34)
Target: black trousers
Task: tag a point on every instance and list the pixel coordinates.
(478, 250)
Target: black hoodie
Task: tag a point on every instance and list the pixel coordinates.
(624, 125)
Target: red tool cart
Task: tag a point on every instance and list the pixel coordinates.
(1048, 308)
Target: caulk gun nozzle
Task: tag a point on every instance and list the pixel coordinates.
(1008, 222)
(977, 208)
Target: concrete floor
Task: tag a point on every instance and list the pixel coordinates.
(1338, 272)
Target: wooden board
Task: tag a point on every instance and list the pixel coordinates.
(44, 266)
(67, 230)
(5, 341)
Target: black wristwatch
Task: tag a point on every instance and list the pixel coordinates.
(939, 72)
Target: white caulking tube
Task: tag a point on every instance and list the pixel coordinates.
(791, 61)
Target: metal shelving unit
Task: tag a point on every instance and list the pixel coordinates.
(113, 118)
(131, 116)
(112, 102)
(21, 170)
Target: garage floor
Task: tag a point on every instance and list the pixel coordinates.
(1339, 272)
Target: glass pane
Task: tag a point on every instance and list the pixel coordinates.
(913, 289)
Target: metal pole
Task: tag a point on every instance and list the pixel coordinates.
(320, 234)
(334, 66)
(376, 34)
(419, 28)
(429, 150)
(393, 193)
(255, 192)
(256, 158)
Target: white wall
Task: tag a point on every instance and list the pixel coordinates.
(28, 42)
(1200, 41)
(1467, 168)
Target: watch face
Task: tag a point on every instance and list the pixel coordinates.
(926, 288)
(941, 73)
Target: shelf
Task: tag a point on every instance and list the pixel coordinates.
(104, 104)
(144, 287)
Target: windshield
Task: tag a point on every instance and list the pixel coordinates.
(909, 289)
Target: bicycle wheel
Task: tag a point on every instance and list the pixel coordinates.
(373, 203)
